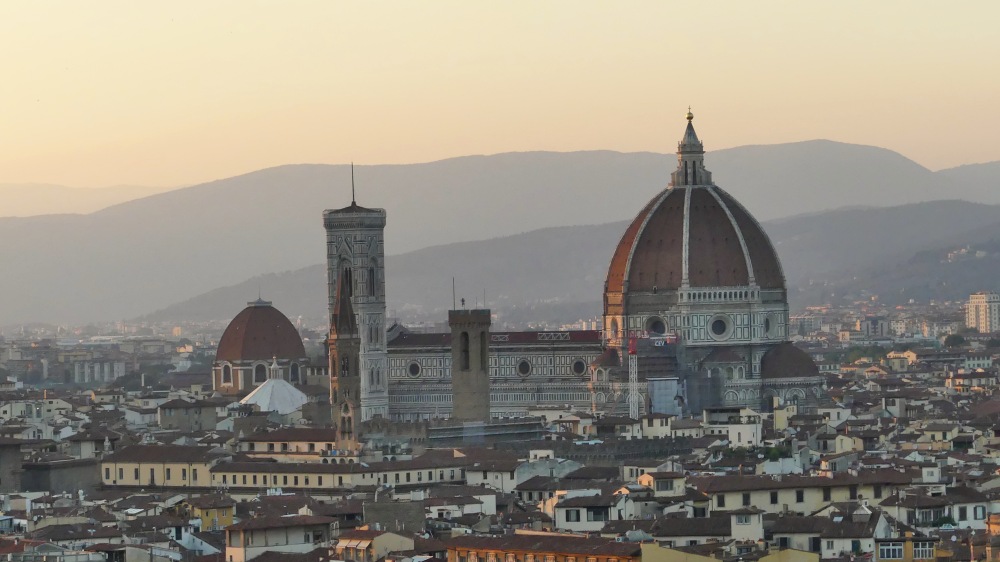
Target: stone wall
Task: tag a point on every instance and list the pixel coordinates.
(61, 476)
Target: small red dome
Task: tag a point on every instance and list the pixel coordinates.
(260, 332)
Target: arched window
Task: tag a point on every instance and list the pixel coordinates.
(372, 279)
(294, 372)
(348, 281)
(345, 366)
(227, 374)
(259, 373)
(464, 350)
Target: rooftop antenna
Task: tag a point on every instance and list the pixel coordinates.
(454, 304)
(352, 185)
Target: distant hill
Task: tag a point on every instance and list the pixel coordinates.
(833, 244)
(775, 181)
(146, 254)
(949, 269)
(26, 200)
(974, 182)
(560, 269)
(558, 273)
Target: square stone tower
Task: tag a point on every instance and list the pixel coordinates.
(470, 364)
(358, 355)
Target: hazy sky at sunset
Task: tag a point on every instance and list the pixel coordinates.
(170, 93)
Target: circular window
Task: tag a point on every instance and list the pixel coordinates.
(524, 368)
(720, 327)
(579, 367)
(414, 369)
(656, 326)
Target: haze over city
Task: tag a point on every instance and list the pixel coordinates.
(257, 109)
(453, 281)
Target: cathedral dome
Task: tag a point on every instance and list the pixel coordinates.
(708, 231)
(259, 333)
(693, 235)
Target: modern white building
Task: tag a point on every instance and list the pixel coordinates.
(983, 312)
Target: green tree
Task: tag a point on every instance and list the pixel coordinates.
(954, 340)
(944, 520)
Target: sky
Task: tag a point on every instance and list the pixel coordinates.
(176, 93)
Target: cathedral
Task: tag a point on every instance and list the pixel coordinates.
(694, 293)
(695, 268)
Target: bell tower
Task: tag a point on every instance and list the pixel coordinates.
(359, 364)
(343, 347)
(470, 364)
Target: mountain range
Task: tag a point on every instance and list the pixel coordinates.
(558, 273)
(31, 199)
(149, 254)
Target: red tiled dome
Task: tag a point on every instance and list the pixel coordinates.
(651, 252)
(694, 227)
(260, 332)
